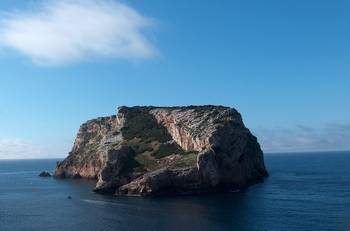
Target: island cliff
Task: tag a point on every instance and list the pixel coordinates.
(166, 150)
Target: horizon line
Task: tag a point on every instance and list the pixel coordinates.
(265, 153)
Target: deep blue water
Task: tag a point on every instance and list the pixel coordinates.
(304, 192)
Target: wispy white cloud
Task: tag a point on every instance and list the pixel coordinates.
(19, 149)
(333, 136)
(65, 31)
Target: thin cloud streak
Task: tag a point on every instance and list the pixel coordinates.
(68, 31)
(19, 149)
(301, 138)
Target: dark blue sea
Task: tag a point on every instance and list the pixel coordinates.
(304, 192)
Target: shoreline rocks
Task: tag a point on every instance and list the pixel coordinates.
(45, 174)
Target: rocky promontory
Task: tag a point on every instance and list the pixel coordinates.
(165, 151)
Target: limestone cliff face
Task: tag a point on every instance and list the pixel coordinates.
(166, 150)
(89, 152)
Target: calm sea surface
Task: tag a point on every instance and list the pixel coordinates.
(304, 192)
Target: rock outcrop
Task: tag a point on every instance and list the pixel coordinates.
(45, 174)
(166, 150)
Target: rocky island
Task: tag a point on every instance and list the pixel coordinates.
(166, 151)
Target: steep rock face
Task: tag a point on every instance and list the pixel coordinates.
(166, 150)
(90, 150)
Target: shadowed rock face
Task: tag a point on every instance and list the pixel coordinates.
(166, 150)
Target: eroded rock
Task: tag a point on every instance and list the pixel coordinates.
(45, 174)
(166, 150)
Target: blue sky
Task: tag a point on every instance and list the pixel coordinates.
(283, 64)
